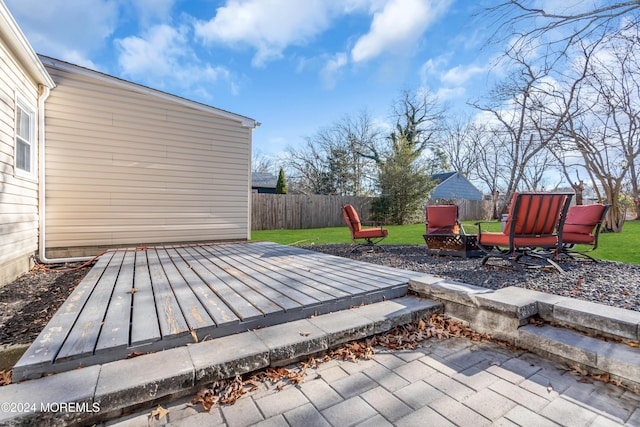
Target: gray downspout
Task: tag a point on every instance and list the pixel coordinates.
(45, 91)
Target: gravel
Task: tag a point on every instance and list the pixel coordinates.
(605, 282)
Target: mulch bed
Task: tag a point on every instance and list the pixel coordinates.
(29, 302)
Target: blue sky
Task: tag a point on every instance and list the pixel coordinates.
(293, 65)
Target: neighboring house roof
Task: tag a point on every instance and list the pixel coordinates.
(11, 34)
(263, 180)
(452, 185)
(246, 121)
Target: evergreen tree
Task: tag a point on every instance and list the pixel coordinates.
(281, 185)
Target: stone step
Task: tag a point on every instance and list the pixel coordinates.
(117, 386)
(619, 360)
(502, 312)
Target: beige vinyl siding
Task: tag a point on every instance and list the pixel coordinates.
(126, 167)
(18, 195)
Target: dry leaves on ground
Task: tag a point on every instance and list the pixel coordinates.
(159, 413)
(587, 377)
(5, 377)
(409, 336)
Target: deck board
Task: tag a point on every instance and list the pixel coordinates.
(237, 303)
(150, 299)
(145, 326)
(81, 338)
(303, 291)
(190, 306)
(172, 322)
(115, 330)
(215, 307)
(302, 274)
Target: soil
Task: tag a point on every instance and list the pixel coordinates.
(29, 302)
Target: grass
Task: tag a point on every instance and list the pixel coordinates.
(623, 247)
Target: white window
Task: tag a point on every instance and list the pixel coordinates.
(25, 141)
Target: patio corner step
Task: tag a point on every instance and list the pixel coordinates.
(118, 386)
(617, 359)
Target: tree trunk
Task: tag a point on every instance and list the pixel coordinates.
(578, 187)
(615, 216)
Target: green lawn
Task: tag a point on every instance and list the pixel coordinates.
(624, 247)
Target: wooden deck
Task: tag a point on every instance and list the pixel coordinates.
(141, 300)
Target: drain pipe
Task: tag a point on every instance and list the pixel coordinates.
(42, 258)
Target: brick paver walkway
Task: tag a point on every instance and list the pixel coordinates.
(444, 382)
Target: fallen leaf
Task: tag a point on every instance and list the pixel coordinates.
(5, 377)
(194, 335)
(159, 412)
(134, 354)
(133, 291)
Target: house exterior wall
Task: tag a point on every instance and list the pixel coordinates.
(18, 195)
(127, 166)
(456, 187)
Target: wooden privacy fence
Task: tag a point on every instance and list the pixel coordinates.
(298, 211)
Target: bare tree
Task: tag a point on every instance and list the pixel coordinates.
(560, 28)
(461, 143)
(605, 125)
(330, 161)
(403, 168)
(308, 170)
(525, 117)
(602, 112)
(261, 163)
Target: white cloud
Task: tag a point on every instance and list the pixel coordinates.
(398, 25)
(460, 74)
(269, 26)
(53, 26)
(162, 56)
(446, 93)
(153, 10)
(332, 68)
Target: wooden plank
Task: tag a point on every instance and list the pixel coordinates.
(348, 282)
(289, 299)
(241, 283)
(46, 346)
(194, 313)
(298, 276)
(215, 307)
(145, 326)
(390, 273)
(115, 329)
(241, 307)
(172, 322)
(359, 273)
(296, 287)
(83, 336)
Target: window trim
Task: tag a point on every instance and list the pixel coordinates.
(28, 109)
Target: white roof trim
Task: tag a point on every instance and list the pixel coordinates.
(18, 43)
(55, 63)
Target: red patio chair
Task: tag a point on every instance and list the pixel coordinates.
(371, 236)
(535, 220)
(443, 219)
(582, 227)
(445, 234)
